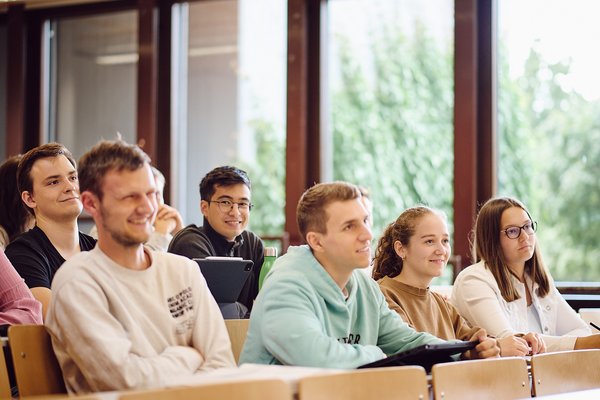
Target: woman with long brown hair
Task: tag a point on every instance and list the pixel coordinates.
(509, 290)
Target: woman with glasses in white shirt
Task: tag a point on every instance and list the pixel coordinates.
(509, 290)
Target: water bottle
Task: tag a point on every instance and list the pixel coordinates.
(270, 256)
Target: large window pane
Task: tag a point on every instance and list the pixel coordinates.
(92, 79)
(230, 91)
(549, 126)
(391, 102)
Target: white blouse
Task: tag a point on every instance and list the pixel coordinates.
(477, 297)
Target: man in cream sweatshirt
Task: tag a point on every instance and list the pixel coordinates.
(123, 316)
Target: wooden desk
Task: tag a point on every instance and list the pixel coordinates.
(246, 372)
(593, 394)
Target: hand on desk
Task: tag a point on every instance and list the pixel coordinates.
(487, 347)
(535, 341)
(522, 345)
(513, 346)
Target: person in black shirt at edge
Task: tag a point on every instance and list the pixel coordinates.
(49, 187)
(226, 205)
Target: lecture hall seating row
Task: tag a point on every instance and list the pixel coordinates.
(38, 374)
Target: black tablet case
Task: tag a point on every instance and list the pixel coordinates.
(425, 355)
(225, 277)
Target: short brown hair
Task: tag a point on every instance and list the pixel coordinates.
(48, 150)
(387, 262)
(486, 247)
(105, 156)
(310, 213)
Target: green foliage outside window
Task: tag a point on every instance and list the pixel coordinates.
(550, 159)
(267, 174)
(392, 132)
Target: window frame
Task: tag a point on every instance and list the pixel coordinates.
(475, 141)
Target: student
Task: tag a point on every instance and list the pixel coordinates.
(509, 289)
(167, 222)
(412, 251)
(316, 309)
(14, 217)
(123, 316)
(17, 304)
(49, 187)
(225, 204)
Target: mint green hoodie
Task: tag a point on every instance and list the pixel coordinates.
(301, 317)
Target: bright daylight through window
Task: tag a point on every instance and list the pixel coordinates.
(391, 102)
(549, 126)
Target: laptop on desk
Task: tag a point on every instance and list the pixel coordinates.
(425, 355)
(225, 276)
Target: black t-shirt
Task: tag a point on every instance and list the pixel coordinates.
(201, 242)
(36, 259)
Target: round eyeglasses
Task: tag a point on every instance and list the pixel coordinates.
(227, 205)
(515, 231)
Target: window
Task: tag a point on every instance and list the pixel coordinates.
(549, 127)
(91, 79)
(391, 102)
(229, 96)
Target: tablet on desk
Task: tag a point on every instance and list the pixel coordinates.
(425, 355)
(225, 276)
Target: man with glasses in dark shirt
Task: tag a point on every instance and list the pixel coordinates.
(226, 205)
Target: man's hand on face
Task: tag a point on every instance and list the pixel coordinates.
(168, 220)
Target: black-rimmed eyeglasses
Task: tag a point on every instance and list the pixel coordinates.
(515, 231)
(227, 205)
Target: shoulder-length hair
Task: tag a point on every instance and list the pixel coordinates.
(486, 247)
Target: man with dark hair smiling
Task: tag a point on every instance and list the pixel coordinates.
(124, 316)
(225, 204)
(49, 187)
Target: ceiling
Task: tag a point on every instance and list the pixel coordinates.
(32, 4)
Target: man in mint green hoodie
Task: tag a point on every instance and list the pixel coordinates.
(315, 309)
